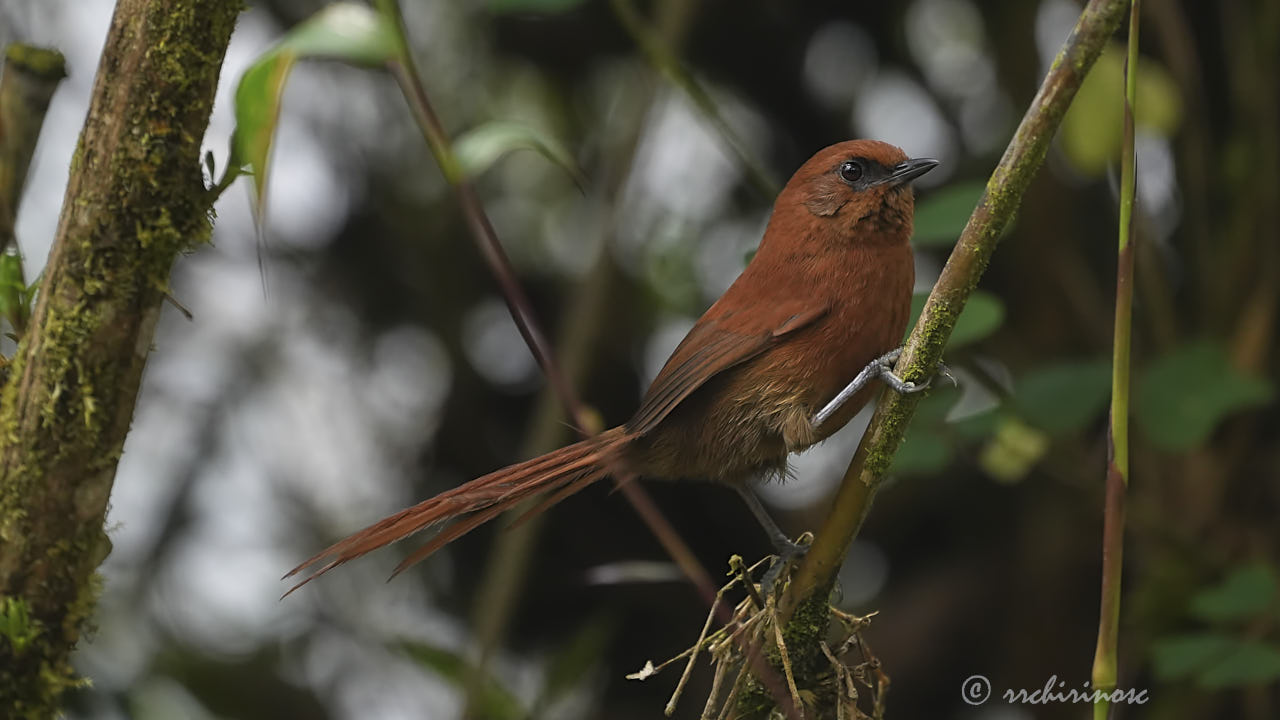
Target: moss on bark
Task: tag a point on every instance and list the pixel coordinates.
(134, 201)
(813, 674)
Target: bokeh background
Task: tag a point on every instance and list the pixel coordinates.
(357, 356)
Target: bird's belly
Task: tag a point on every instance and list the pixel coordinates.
(713, 435)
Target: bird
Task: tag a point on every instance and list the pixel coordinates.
(781, 361)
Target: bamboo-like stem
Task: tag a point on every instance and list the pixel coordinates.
(406, 73)
(1117, 476)
(968, 260)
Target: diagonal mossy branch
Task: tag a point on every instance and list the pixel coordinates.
(923, 350)
(134, 201)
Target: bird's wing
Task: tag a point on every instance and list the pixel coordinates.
(717, 342)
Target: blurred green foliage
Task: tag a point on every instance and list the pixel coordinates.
(493, 699)
(982, 315)
(535, 6)
(1241, 645)
(1092, 130)
(568, 669)
(941, 215)
(479, 148)
(1064, 397)
(1184, 395)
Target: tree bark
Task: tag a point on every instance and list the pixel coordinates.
(135, 199)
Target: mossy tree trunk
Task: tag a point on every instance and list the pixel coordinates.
(135, 199)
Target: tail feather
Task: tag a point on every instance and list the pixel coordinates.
(569, 487)
(557, 475)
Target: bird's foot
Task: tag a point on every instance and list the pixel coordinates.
(787, 552)
(886, 363)
(881, 367)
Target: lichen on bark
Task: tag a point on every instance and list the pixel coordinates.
(135, 200)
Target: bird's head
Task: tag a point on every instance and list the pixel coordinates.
(859, 189)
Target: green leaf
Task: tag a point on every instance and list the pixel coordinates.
(538, 6)
(1247, 592)
(1249, 662)
(574, 662)
(1093, 127)
(1179, 656)
(1184, 395)
(496, 702)
(479, 148)
(1064, 397)
(345, 31)
(982, 315)
(942, 215)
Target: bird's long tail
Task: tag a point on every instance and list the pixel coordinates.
(553, 477)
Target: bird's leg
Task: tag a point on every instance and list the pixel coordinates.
(881, 367)
(786, 549)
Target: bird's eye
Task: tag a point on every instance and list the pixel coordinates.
(851, 171)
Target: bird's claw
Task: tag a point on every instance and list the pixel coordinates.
(907, 387)
(945, 372)
(787, 552)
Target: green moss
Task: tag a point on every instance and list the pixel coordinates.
(16, 626)
(803, 636)
(31, 648)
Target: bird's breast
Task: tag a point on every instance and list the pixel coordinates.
(747, 419)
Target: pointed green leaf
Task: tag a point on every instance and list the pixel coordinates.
(942, 215)
(982, 315)
(257, 110)
(478, 149)
(1247, 592)
(1065, 397)
(345, 31)
(1184, 395)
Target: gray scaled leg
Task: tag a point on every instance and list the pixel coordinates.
(783, 545)
(881, 367)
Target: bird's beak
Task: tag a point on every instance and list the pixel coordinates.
(905, 172)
